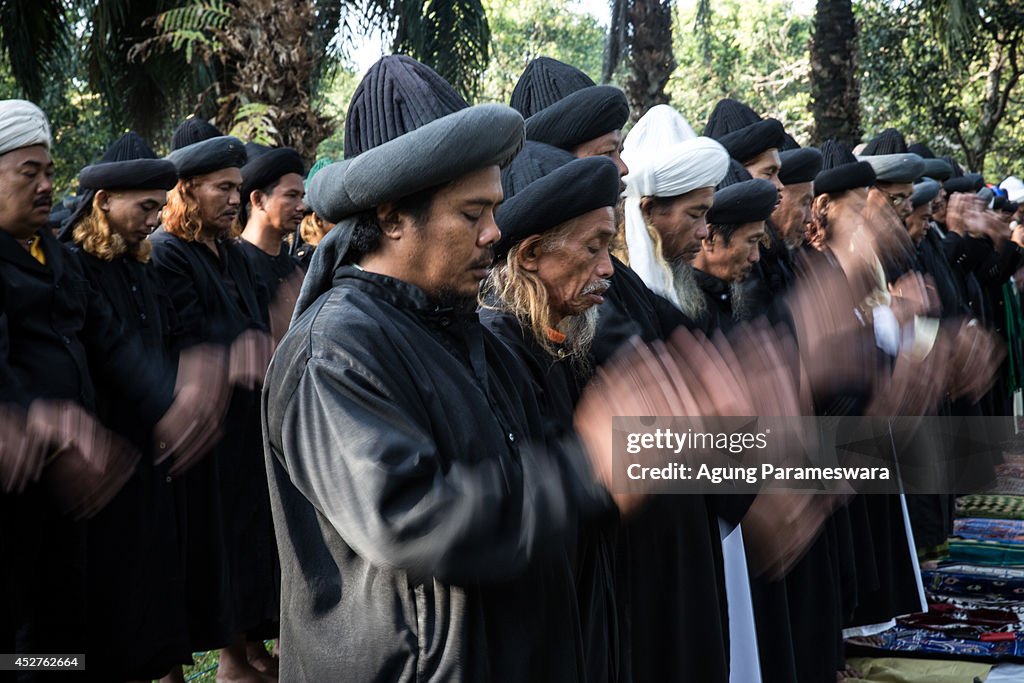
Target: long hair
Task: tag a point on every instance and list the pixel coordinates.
(510, 287)
(180, 216)
(94, 234)
(313, 229)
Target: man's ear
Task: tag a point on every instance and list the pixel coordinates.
(256, 198)
(708, 243)
(102, 200)
(529, 253)
(391, 223)
(646, 208)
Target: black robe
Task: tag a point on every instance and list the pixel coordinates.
(269, 271)
(231, 574)
(673, 614)
(558, 386)
(137, 624)
(60, 335)
(421, 519)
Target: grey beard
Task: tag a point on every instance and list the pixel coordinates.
(579, 331)
(691, 299)
(740, 300)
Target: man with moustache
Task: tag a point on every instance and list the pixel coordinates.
(231, 572)
(551, 269)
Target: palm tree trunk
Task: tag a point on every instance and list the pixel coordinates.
(835, 93)
(651, 61)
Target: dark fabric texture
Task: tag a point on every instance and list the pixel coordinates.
(936, 169)
(207, 156)
(535, 161)
(269, 166)
(670, 585)
(922, 150)
(231, 567)
(397, 95)
(844, 177)
(744, 202)
(558, 385)
(424, 525)
(543, 82)
(969, 182)
(889, 141)
(728, 116)
(269, 271)
(433, 154)
(136, 583)
(148, 174)
(579, 117)
(924, 192)
(193, 130)
(580, 186)
(746, 143)
(799, 165)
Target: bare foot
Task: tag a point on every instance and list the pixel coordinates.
(256, 654)
(175, 675)
(234, 666)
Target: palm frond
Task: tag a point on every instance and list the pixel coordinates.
(36, 37)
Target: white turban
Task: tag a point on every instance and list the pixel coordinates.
(1014, 188)
(22, 124)
(665, 159)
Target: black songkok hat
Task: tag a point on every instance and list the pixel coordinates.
(536, 160)
(924, 192)
(397, 95)
(729, 116)
(736, 174)
(889, 141)
(193, 130)
(254, 150)
(267, 167)
(544, 82)
(747, 142)
(129, 146)
(957, 169)
(922, 150)
(840, 170)
(578, 187)
(207, 156)
(788, 143)
(580, 116)
(799, 165)
(969, 182)
(744, 202)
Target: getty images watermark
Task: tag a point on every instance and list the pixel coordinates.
(687, 455)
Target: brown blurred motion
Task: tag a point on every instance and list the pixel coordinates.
(22, 450)
(250, 358)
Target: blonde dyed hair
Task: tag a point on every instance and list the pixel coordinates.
(94, 234)
(313, 229)
(181, 217)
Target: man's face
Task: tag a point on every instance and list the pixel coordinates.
(608, 145)
(576, 272)
(681, 222)
(26, 190)
(898, 195)
(218, 194)
(766, 166)
(939, 207)
(132, 214)
(733, 262)
(793, 212)
(451, 252)
(918, 222)
(283, 206)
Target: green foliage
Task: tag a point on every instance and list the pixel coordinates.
(756, 53)
(336, 98)
(909, 82)
(524, 30)
(192, 27)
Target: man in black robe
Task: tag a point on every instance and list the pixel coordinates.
(272, 209)
(231, 564)
(422, 518)
(63, 340)
(551, 269)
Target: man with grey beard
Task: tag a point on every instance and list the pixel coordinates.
(551, 269)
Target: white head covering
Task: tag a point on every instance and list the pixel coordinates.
(665, 159)
(1014, 188)
(22, 124)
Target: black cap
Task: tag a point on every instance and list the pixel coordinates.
(799, 165)
(397, 95)
(729, 116)
(536, 160)
(889, 141)
(744, 202)
(747, 142)
(578, 187)
(193, 130)
(581, 116)
(207, 156)
(544, 82)
(969, 183)
(267, 167)
(841, 171)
